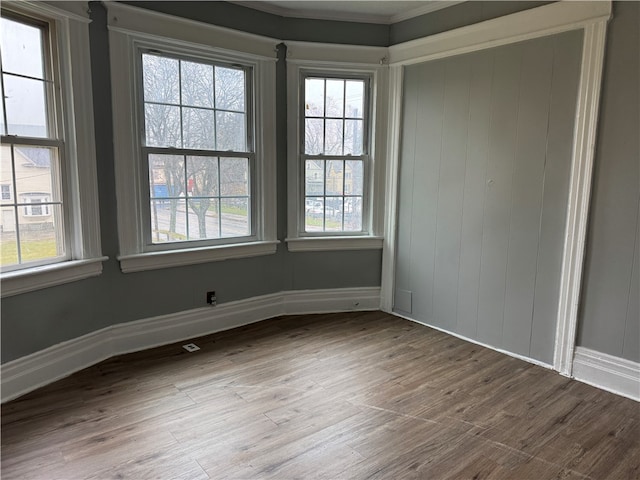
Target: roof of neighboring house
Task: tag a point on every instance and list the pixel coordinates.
(38, 156)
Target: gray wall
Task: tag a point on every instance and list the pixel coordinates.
(484, 174)
(610, 316)
(34, 321)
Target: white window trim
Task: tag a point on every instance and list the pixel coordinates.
(338, 59)
(591, 18)
(129, 26)
(72, 35)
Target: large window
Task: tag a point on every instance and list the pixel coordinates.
(198, 148)
(32, 219)
(49, 219)
(194, 136)
(335, 150)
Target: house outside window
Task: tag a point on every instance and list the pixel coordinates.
(32, 222)
(49, 218)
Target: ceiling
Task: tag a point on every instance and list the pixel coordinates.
(376, 11)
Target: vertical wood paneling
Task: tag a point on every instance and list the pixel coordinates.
(407, 162)
(526, 195)
(566, 74)
(425, 193)
(450, 192)
(474, 187)
(490, 134)
(495, 238)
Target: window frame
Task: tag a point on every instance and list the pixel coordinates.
(365, 156)
(146, 151)
(70, 60)
(131, 28)
(337, 61)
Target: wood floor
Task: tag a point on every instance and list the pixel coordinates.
(339, 396)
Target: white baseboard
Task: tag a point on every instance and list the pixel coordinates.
(25, 374)
(607, 372)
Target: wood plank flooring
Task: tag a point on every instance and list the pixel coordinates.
(336, 396)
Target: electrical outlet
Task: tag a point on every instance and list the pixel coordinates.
(191, 347)
(211, 298)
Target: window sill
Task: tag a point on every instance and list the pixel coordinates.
(323, 244)
(140, 262)
(36, 278)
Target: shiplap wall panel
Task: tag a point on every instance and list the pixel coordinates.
(631, 347)
(488, 129)
(502, 150)
(450, 191)
(474, 187)
(526, 194)
(425, 192)
(566, 74)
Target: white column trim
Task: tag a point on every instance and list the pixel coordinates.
(579, 195)
(396, 75)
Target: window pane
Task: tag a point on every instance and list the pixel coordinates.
(333, 139)
(26, 106)
(37, 170)
(314, 136)
(314, 177)
(314, 97)
(231, 132)
(234, 176)
(203, 219)
(197, 84)
(333, 213)
(335, 98)
(6, 176)
(8, 245)
(235, 217)
(353, 137)
(166, 176)
(335, 177)
(41, 234)
(198, 128)
(353, 214)
(202, 176)
(314, 214)
(230, 85)
(162, 125)
(354, 177)
(168, 221)
(355, 99)
(21, 49)
(161, 81)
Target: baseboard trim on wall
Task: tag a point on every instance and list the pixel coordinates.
(28, 373)
(614, 374)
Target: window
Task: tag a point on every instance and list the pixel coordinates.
(194, 135)
(198, 136)
(49, 219)
(335, 150)
(337, 99)
(33, 227)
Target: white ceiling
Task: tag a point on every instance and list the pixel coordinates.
(371, 11)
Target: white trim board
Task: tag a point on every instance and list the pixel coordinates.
(28, 373)
(591, 18)
(607, 372)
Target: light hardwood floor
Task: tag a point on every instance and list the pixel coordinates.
(338, 396)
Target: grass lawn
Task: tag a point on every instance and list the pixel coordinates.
(317, 222)
(31, 250)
